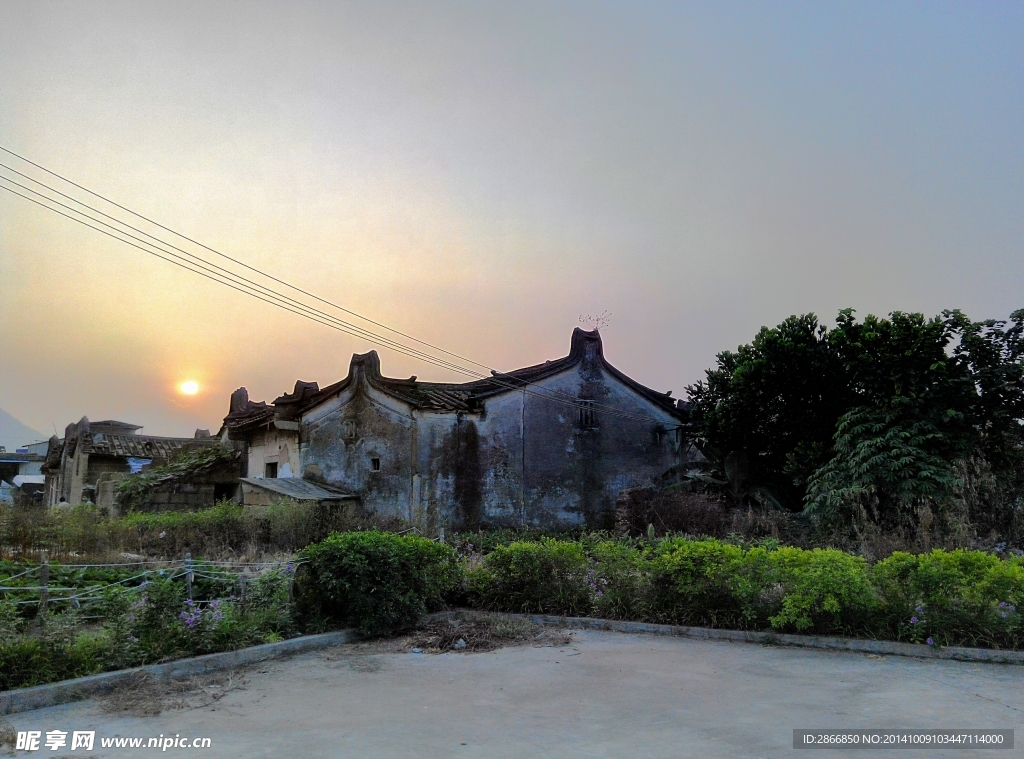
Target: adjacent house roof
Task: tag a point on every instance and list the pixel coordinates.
(434, 396)
(113, 438)
(138, 446)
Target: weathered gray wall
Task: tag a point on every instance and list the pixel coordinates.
(524, 461)
(342, 437)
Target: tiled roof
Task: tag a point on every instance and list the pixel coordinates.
(138, 446)
(436, 396)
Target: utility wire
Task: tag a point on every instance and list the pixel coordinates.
(596, 406)
(241, 263)
(220, 279)
(203, 263)
(206, 271)
(243, 281)
(245, 285)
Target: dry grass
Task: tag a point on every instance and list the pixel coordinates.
(8, 735)
(145, 696)
(480, 632)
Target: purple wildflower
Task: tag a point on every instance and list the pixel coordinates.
(914, 620)
(930, 641)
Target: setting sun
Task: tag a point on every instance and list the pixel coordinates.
(189, 388)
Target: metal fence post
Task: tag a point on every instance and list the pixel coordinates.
(44, 586)
(188, 575)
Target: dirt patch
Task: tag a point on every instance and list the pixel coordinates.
(145, 696)
(468, 632)
(472, 633)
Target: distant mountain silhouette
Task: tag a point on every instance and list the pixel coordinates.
(13, 433)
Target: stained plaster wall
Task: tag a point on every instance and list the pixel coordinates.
(278, 446)
(524, 460)
(342, 437)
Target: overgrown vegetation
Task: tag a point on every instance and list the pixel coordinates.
(152, 621)
(135, 493)
(226, 530)
(903, 423)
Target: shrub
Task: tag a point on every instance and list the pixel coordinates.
(621, 586)
(951, 597)
(695, 583)
(824, 590)
(547, 577)
(379, 582)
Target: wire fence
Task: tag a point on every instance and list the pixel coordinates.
(44, 593)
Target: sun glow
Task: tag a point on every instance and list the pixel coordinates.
(189, 388)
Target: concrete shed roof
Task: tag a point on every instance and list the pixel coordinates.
(28, 479)
(297, 488)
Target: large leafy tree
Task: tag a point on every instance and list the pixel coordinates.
(776, 401)
(870, 412)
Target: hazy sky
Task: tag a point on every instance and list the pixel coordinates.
(479, 175)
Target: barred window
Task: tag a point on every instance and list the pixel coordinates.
(586, 409)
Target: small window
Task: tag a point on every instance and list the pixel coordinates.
(586, 409)
(375, 465)
(270, 470)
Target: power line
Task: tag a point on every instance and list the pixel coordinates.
(214, 276)
(241, 263)
(369, 335)
(249, 287)
(247, 283)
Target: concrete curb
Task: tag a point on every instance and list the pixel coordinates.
(52, 694)
(886, 647)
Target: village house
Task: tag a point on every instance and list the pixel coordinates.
(21, 478)
(94, 457)
(549, 445)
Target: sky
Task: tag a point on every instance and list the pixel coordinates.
(480, 175)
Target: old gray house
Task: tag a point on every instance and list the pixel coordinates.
(93, 457)
(549, 445)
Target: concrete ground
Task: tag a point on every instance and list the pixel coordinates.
(606, 694)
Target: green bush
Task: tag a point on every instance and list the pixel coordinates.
(378, 581)
(822, 590)
(951, 597)
(35, 661)
(546, 577)
(620, 580)
(696, 582)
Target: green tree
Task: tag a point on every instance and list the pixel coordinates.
(874, 413)
(776, 401)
